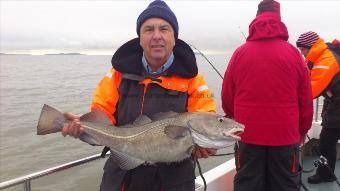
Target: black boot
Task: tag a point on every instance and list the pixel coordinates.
(316, 179)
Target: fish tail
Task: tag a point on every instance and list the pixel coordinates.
(50, 121)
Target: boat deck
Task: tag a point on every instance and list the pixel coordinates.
(221, 177)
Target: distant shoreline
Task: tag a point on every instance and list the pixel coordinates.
(6, 54)
(65, 54)
(58, 54)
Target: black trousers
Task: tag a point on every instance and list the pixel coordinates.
(328, 141)
(330, 134)
(267, 168)
(161, 177)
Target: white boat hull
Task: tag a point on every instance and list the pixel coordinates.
(218, 178)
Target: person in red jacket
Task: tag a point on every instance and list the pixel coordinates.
(267, 88)
(325, 80)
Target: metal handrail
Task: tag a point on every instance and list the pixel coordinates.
(26, 180)
(317, 113)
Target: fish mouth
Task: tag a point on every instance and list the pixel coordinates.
(234, 132)
(216, 142)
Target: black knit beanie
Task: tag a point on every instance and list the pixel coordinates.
(158, 9)
(268, 6)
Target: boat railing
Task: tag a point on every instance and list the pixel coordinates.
(26, 180)
(317, 109)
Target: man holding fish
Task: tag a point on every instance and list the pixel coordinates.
(153, 73)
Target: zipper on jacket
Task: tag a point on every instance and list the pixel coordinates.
(143, 98)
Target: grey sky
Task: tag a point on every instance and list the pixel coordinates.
(99, 27)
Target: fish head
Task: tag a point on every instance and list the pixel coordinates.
(211, 130)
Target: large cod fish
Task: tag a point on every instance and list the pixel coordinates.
(166, 137)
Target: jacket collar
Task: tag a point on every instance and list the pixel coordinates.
(128, 59)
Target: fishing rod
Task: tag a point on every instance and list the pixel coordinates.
(201, 53)
(207, 60)
(244, 36)
(200, 172)
(196, 162)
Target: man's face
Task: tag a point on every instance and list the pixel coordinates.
(304, 51)
(157, 40)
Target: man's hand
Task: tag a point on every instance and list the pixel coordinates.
(200, 152)
(74, 128)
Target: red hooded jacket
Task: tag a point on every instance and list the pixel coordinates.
(267, 87)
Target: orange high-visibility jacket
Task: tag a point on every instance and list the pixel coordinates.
(200, 98)
(126, 92)
(324, 66)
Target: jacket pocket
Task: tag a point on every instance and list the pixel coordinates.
(176, 101)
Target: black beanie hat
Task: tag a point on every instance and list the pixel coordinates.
(158, 9)
(268, 6)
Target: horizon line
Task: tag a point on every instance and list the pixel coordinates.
(90, 52)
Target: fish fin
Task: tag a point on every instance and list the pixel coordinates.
(142, 120)
(125, 161)
(50, 121)
(88, 139)
(176, 132)
(96, 116)
(163, 115)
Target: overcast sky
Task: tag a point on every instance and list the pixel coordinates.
(100, 27)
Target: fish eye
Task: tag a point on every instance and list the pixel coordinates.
(220, 119)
